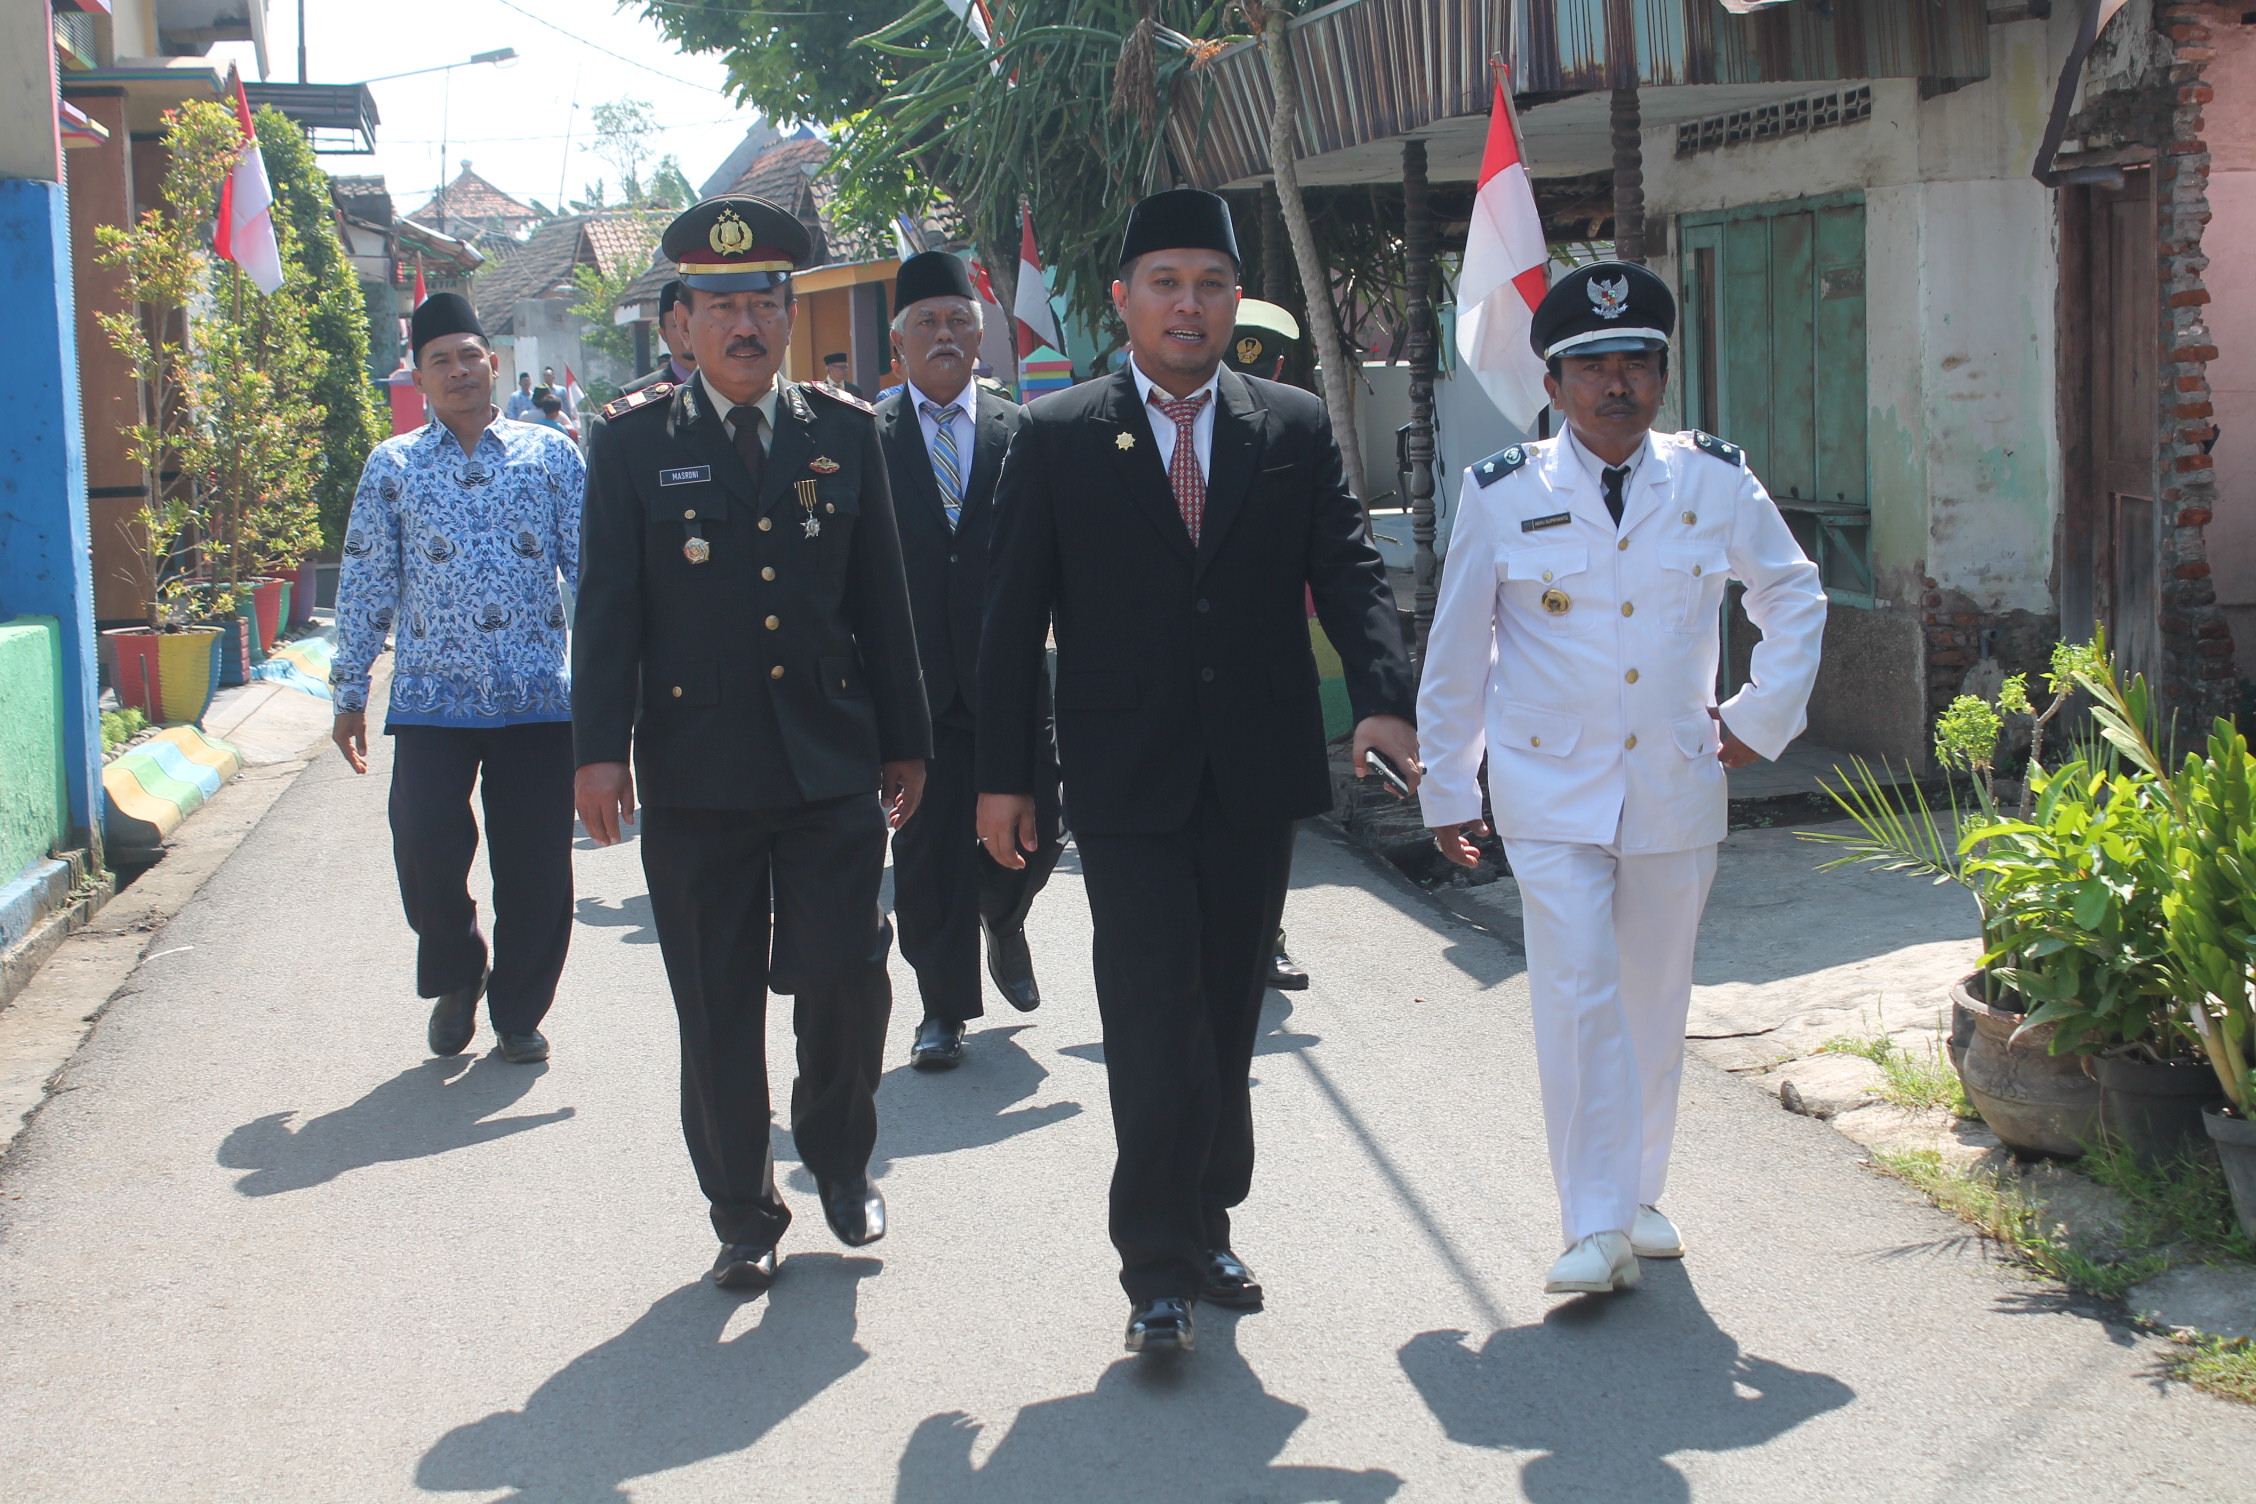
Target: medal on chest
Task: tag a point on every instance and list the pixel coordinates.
(806, 491)
(1556, 601)
(696, 550)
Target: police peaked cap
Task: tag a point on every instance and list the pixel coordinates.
(1181, 219)
(931, 274)
(441, 313)
(737, 244)
(1601, 308)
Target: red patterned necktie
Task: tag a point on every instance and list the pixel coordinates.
(1183, 466)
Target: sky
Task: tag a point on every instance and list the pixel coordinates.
(524, 125)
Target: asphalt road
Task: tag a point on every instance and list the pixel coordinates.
(260, 1248)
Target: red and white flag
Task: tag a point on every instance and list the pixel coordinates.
(1504, 276)
(421, 292)
(1037, 324)
(245, 234)
(574, 396)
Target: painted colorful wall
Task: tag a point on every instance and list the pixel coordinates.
(34, 807)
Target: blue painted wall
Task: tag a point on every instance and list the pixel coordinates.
(46, 567)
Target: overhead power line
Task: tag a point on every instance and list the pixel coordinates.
(607, 52)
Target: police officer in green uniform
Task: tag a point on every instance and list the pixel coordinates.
(744, 629)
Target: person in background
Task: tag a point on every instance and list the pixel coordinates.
(944, 442)
(521, 407)
(1171, 522)
(673, 327)
(551, 415)
(835, 370)
(748, 514)
(463, 536)
(548, 382)
(1574, 646)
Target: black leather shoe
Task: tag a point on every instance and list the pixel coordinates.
(1226, 1281)
(855, 1211)
(454, 1018)
(1011, 964)
(528, 1048)
(939, 1045)
(745, 1266)
(1162, 1325)
(1283, 974)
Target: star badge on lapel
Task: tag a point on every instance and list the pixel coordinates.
(1124, 440)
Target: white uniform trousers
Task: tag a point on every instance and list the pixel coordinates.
(1609, 944)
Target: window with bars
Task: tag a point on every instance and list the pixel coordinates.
(1773, 122)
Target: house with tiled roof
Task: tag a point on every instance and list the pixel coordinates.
(474, 209)
(525, 293)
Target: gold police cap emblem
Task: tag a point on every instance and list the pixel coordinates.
(1249, 350)
(1557, 601)
(730, 235)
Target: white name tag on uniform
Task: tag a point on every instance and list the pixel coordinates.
(687, 475)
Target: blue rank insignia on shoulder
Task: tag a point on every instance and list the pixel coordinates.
(1500, 464)
(1708, 443)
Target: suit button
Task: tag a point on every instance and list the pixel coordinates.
(829, 507)
(1204, 604)
(1631, 744)
(951, 558)
(1623, 546)
(767, 572)
(1206, 676)
(773, 623)
(1695, 571)
(677, 691)
(1630, 677)
(1547, 577)
(776, 672)
(766, 523)
(1535, 741)
(690, 515)
(1628, 609)
(1690, 518)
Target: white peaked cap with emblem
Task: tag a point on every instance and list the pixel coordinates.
(1603, 307)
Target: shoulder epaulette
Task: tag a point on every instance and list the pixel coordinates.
(619, 407)
(1500, 464)
(817, 389)
(1708, 443)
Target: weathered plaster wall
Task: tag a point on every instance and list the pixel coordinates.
(2230, 129)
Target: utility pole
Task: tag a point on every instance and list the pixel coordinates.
(1629, 173)
(301, 42)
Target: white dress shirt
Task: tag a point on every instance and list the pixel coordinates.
(962, 426)
(766, 404)
(1596, 468)
(1163, 427)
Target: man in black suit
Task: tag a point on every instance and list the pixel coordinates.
(745, 628)
(944, 439)
(1167, 521)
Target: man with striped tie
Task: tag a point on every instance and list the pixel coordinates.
(944, 439)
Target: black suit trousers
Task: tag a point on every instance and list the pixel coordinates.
(714, 875)
(523, 775)
(1185, 925)
(946, 886)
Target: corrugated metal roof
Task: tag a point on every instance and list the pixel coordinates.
(1373, 70)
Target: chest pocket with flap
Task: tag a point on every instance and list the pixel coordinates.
(1692, 578)
(1548, 584)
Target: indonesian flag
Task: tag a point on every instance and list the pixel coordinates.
(1504, 276)
(1037, 325)
(421, 292)
(245, 234)
(574, 397)
(974, 15)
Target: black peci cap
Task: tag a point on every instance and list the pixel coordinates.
(668, 296)
(1180, 219)
(931, 274)
(1603, 307)
(737, 245)
(439, 314)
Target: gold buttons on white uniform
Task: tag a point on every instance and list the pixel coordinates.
(1631, 744)
(1630, 677)
(1690, 518)
(1628, 609)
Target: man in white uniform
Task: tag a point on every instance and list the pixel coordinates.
(1574, 644)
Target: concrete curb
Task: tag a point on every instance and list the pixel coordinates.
(162, 782)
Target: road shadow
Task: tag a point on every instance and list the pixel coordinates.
(1608, 1388)
(632, 915)
(971, 1107)
(1276, 1037)
(664, 1393)
(427, 1109)
(1196, 1430)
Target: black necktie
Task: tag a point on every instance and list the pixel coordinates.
(747, 422)
(1612, 478)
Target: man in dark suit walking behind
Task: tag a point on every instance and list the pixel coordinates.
(746, 632)
(1169, 519)
(944, 439)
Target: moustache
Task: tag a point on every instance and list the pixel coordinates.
(746, 347)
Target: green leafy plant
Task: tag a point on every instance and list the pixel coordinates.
(1908, 1080)
(121, 726)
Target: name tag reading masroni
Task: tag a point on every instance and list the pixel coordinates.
(686, 476)
(1537, 524)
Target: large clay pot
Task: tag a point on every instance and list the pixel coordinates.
(2235, 1138)
(2155, 1110)
(167, 676)
(270, 601)
(2036, 1102)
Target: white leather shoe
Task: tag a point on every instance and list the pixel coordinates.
(1599, 1264)
(1655, 1236)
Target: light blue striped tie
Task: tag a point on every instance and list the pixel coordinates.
(946, 467)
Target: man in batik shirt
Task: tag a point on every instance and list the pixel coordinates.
(465, 536)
